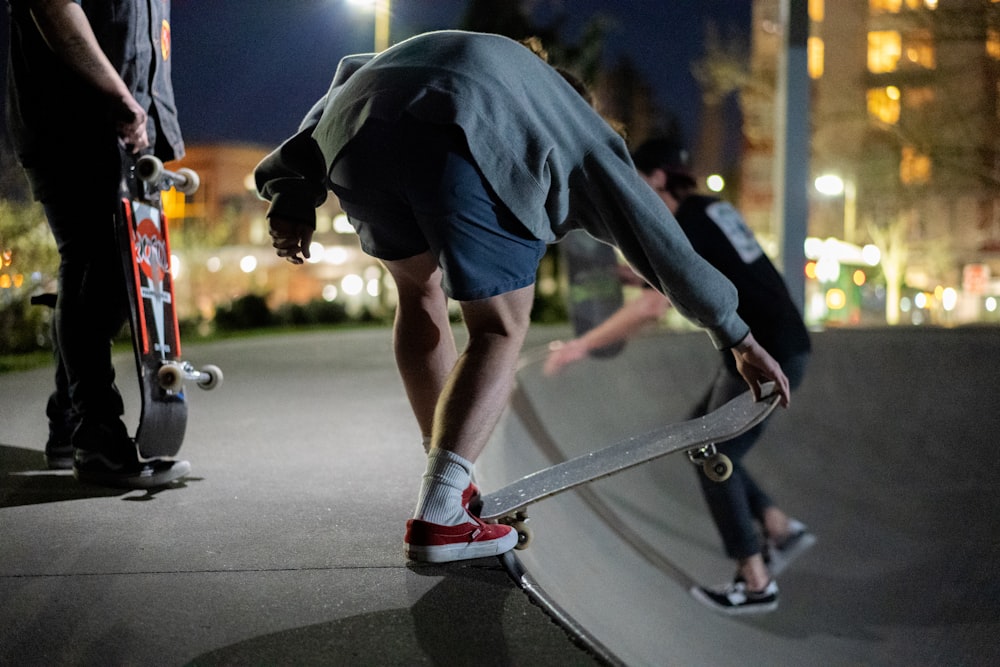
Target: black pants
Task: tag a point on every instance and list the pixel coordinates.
(80, 203)
(738, 503)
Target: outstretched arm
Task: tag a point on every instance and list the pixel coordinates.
(646, 308)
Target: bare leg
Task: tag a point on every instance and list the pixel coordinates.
(478, 389)
(466, 396)
(457, 400)
(423, 342)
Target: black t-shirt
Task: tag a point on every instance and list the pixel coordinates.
(719, 234)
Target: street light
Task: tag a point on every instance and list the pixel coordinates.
(833, 185)
(715, 183)
(381, 10)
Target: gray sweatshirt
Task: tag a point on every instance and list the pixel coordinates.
(548, 155)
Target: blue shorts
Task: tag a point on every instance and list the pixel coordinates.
(410, 187)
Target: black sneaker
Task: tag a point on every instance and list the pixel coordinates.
(59, 446)
(97, 468)
(58, 455)
(736, 598)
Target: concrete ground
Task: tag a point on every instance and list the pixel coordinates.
(284, 546)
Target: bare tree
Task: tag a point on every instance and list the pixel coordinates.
(721, 72)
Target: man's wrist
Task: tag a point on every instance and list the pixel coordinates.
(746, 343)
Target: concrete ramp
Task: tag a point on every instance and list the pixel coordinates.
(888, 452)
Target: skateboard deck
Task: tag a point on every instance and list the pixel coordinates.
(739, 415)
(144, 241)
(595, 290)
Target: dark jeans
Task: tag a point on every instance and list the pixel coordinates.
(80, 205)
(738, 502)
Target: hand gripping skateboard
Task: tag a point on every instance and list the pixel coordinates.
(142, 232)
(697, 437)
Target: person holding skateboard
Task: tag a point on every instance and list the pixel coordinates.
(84, 77)
(457, 156)
(737, 505)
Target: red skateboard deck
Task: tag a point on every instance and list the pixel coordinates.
(144, 240)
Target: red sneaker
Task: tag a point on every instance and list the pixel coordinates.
(471, 500)
(433, 543)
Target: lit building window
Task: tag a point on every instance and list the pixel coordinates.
(914, 167)
(894, 6)
(883, 104)
(173, 205)
(993, 43)
(816, 11)
(885, 48)
(885, 6)
(815, 54)
(919, 49)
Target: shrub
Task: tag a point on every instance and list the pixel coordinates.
(246, 312)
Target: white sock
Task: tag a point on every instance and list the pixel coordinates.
(426, 444)
(447, 476)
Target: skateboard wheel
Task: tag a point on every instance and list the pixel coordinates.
(211, 377)
(523, 535)
(187, 181)
(149, 168)
(170, 377)
(718, 468)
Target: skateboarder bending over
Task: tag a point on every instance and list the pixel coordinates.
(79, 84)
(457, 156)
(718, 233)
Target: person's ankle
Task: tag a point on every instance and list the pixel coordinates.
(776, 524)
(754, 572)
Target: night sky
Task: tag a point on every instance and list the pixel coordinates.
(248, 70)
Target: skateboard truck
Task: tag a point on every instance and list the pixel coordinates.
(717, 467)
(150, 170)
(172, 374)
(518, 520)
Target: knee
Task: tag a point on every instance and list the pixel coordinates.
(506, 315)
(417, 279)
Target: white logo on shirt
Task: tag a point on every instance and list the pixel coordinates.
(731, 223)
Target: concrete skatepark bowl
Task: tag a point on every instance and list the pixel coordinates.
(888, 452)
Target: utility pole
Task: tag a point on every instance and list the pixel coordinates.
(382, 12)
(791, 149)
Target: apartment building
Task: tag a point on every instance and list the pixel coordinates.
(905, 122)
